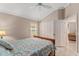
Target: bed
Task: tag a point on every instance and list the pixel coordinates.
(28, 47)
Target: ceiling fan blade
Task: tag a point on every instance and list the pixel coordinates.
(46, 6)
(32, 6)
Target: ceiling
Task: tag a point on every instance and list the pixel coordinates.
(28, 10)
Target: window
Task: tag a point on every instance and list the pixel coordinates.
(34, 29)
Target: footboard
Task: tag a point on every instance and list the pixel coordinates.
(50, 39)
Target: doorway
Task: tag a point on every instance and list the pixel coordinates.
(65, 35)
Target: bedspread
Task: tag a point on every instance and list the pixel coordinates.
(31, 47)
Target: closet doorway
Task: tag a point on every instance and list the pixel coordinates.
(72, 33)
(65, 33)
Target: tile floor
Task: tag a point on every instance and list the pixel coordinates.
(69, 50)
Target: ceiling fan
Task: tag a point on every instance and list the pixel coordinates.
(40, 5)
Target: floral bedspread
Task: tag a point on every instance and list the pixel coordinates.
(31, 47)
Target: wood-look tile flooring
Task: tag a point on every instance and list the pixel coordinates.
(69, 50)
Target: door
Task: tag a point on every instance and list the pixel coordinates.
(60, 32)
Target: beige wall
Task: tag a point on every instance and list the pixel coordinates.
(71, 9)
(15, 26)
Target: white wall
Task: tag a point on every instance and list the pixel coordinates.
(78, 32)
(57, 27)
(71, 21)
(72, 27)
(50, 27)
(46, 28)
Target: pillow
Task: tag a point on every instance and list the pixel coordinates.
(4, 52)
(6, 44)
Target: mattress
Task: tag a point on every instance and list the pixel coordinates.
(30, 47)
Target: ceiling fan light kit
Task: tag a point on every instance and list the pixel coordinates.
(41, 5)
